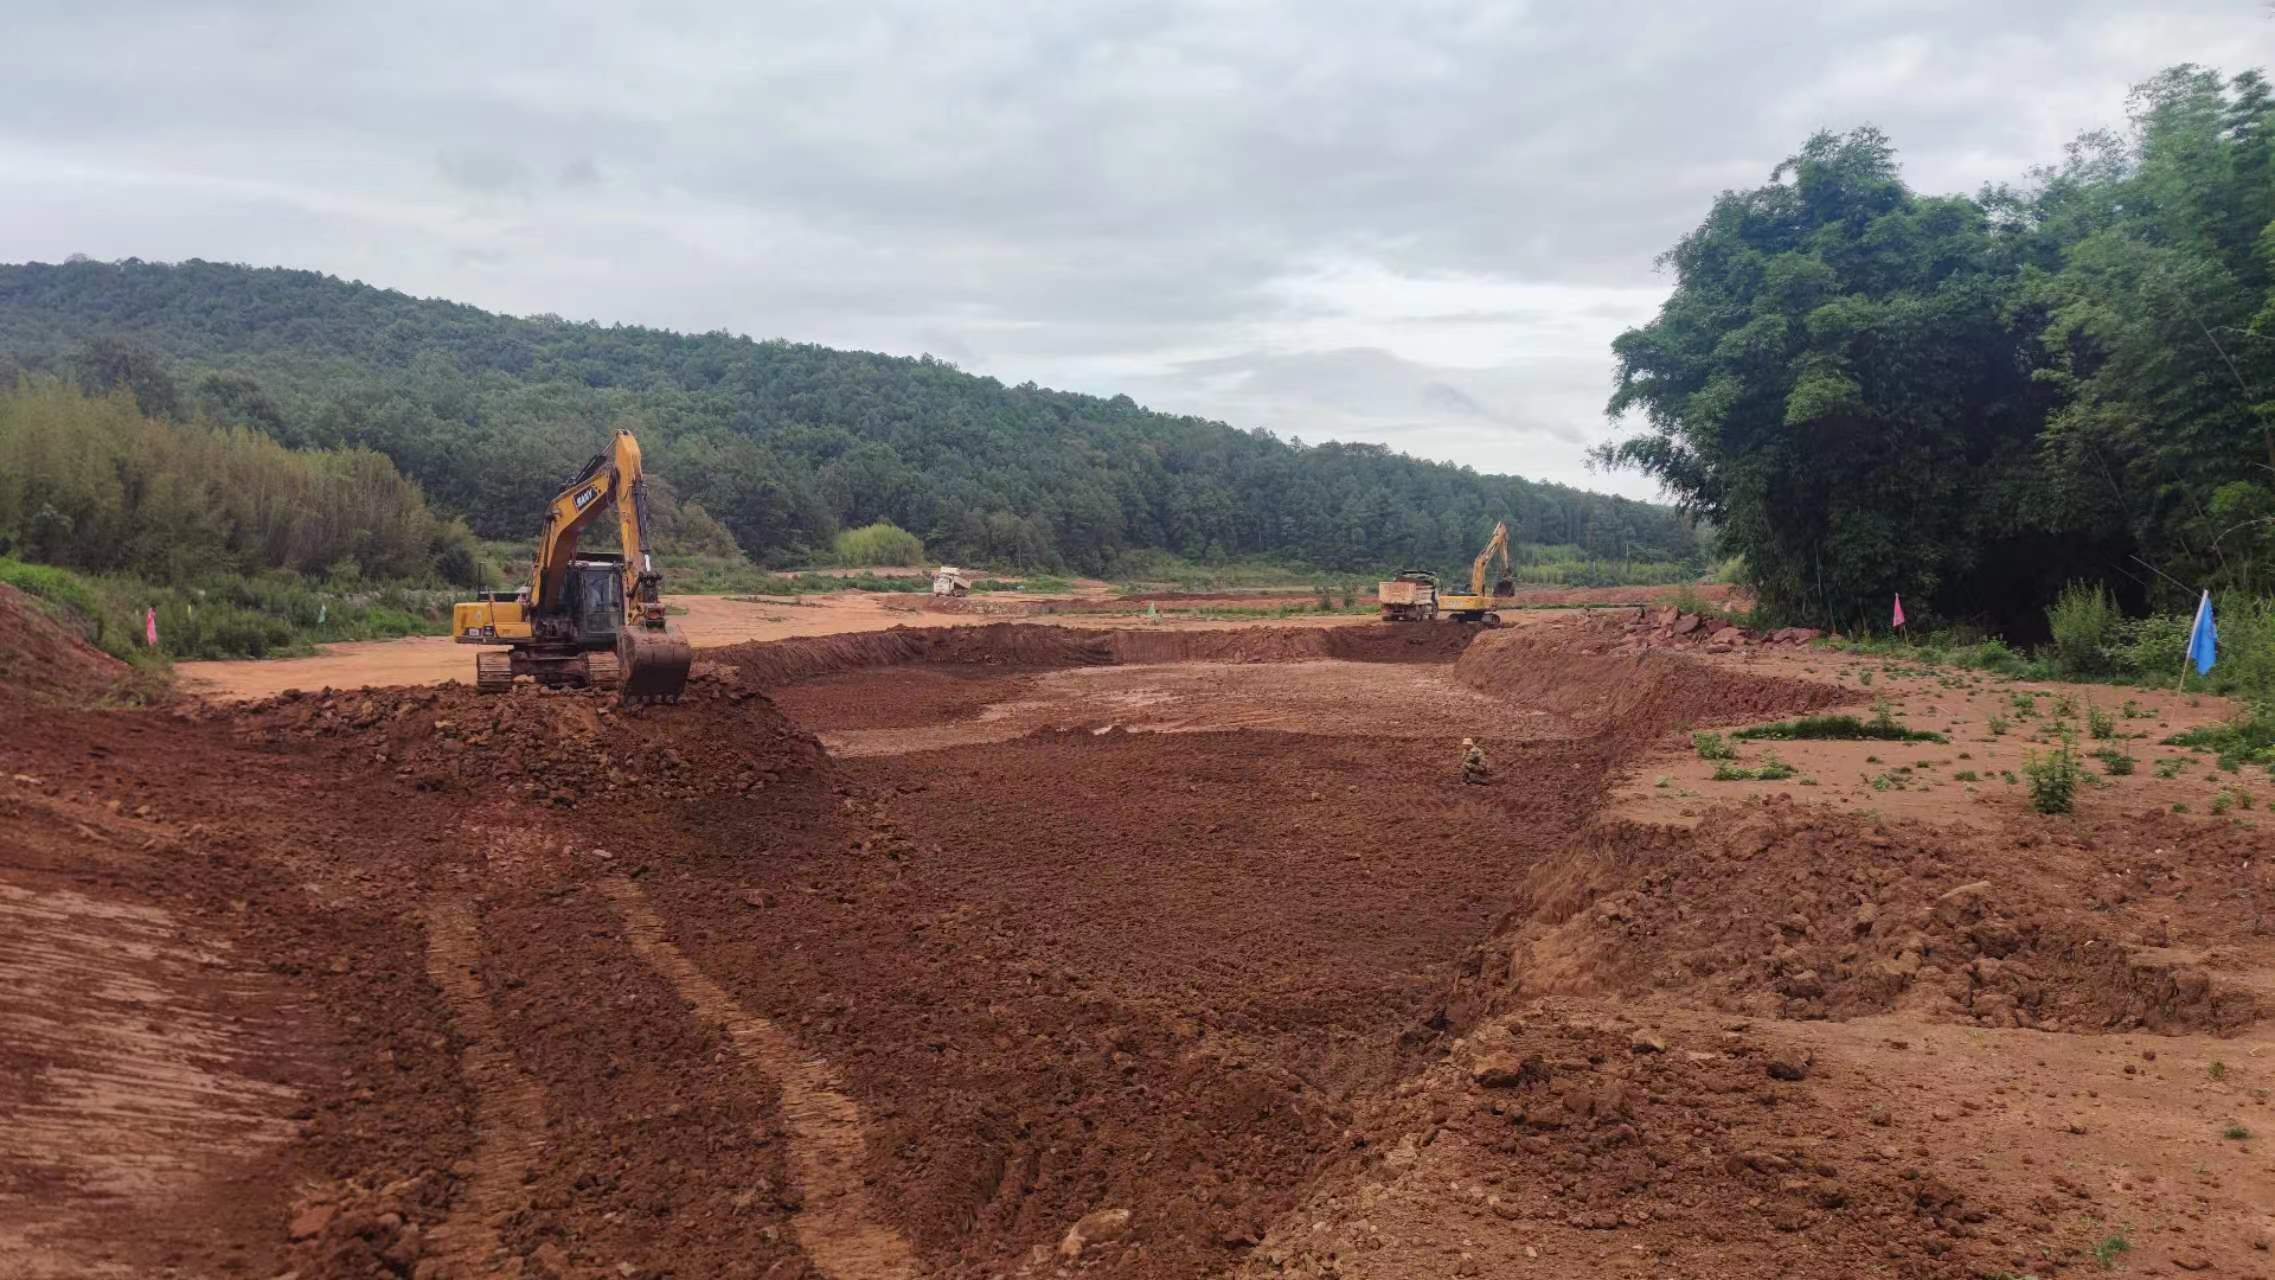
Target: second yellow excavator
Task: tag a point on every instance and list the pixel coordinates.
(1477, 606)
(595, 619)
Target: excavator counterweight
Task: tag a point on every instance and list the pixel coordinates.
(595, 619)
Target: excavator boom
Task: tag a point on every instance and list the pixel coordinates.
(1480, 603)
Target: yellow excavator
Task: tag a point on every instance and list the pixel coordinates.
(1477, 606)
(594, 620)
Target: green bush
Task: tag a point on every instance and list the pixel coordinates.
(1838, 728)
(2084, 621)
(2152, 647)
(2054, 777)
(1710, 746)
(877, 544)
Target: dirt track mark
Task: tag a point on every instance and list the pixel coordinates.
(837, 1223)
(509, 1105)
(117, 1029)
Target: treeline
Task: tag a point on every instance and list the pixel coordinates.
(93, 483)
(1973, 400)
(776, 446)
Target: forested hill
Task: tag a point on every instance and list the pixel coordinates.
(781, 443)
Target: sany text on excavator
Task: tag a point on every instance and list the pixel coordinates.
(595, 619)
(1477, 606)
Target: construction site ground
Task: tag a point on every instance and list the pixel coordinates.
(1173, 951)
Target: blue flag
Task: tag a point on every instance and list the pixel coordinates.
(2203, 638)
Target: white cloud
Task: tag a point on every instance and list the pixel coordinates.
(1418, 223)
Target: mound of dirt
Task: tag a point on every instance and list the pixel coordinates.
(567, 748)
(1038, 647)
(1632, 696)
(1560, 1130)
(1777, 910)
(43, 658)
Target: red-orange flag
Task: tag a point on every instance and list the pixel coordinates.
(1899, 610)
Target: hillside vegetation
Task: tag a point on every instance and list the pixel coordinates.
(773, 445)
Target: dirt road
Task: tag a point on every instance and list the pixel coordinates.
(1022, 950)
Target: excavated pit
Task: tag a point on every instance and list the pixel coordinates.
(1211, 946)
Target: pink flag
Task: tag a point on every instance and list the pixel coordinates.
(1899, 610)
(150, 626)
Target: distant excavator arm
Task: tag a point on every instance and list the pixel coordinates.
(1497, 546)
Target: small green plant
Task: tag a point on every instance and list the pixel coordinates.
(2170, 766)
(1966, 775)
(2065, 707)
(2235, 1131)
(1997, 725)
(2100, 723)
(2053, 777)
(1864, 677)
(2223, 802)
(2132, 711)
(2113, 1246)
(1712, 746)
(2114, 762)
(2007, 776)
(2218, 1070)
(1664, 782)
(2025, 703)
(1771, 769)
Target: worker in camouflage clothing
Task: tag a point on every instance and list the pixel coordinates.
(1473, 770)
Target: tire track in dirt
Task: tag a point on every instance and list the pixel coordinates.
(509, 1105)
(121, 1087)
(837, 1223)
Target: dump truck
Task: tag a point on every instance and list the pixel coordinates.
(1411, 596)
(948, 580)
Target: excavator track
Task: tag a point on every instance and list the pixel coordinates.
(603, 670)
(493, 671)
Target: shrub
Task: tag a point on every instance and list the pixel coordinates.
(1710, 746)
(2054, 777)
(1838, 728)
(2151, 647)
(2083, 620)
(2099, 723)
(877, 544)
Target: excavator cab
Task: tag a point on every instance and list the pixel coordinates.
(595, 600)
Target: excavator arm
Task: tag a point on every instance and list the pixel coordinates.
(1498, 545)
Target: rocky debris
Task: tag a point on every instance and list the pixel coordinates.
(1656, 1147)
(1789, 1064)
(1773, 908)
(1096, 1227)
(1506, 1071)
(1671, 628)
(563, 748)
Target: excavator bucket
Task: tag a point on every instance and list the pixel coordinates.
(652, 663)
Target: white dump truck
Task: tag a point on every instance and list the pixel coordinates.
(948, 580)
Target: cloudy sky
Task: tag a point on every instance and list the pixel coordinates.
(1418, 223)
